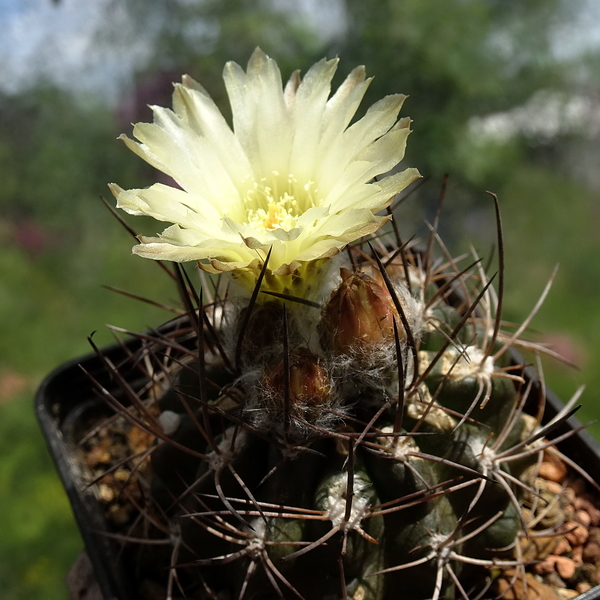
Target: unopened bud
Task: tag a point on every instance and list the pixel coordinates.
(359, 317)
(309, 383)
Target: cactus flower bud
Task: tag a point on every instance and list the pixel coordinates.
(359, 317)
(309, 384)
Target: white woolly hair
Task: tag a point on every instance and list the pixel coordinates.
(264, 410)
(353, 375)
(377, 369)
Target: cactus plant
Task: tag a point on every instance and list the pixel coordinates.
(317, 424)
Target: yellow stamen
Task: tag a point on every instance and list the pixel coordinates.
(278, 203)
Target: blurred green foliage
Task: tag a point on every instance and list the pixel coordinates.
(456, 58)
(39, 537)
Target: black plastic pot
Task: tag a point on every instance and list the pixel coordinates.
(67, 397)
(61, 401)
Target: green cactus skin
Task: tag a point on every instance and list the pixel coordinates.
(339, 487)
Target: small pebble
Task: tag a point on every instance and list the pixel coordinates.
(577, 555)
(583, 503)
(97, 455)
(583, 517)
(518, 589)
(565, 567)
(554, 487)
(553, 469)
(583, 587)
(538, 548)
(553, 513)
(594, 516)
(554, 580)
(121, 474)
(562, 547)
(119, 515)
(106, 493)
(567, 593)
(169, 421)
(595, 535)
(591, 552)
(578, 535)
(569, 493)
(545, 566)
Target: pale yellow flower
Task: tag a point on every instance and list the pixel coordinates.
(292, 175)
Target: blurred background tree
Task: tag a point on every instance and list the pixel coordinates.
(504, 96)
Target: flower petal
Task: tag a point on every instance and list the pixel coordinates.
(291, 176)
(309, 108)
(165, 203)
(261, 120)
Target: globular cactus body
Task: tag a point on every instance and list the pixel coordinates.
(329, 425)
(321, 468)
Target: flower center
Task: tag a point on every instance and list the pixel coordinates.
(277, 202)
